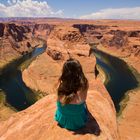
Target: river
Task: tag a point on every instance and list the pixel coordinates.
(120, 78)
(18, 95)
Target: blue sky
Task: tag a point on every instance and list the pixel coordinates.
(81, 7)
(92, 9)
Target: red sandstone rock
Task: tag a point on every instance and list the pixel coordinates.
(68, 39)
(43, 74)
(37, 122)
(129, 121)
(56, 55)
(18, 39)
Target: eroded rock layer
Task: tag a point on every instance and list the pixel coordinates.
(19, 39)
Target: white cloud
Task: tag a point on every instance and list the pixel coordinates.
(118, 13)
(28, 8)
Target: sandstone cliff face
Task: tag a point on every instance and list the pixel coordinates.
(112, 36)
(41, 30)
(17, 32)
(19, 39)
(65, 38)
(91, 32)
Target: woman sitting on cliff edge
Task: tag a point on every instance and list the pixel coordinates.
(71, 110)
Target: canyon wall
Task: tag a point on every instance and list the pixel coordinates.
(64, 40)
(124, 38)
(19, 39)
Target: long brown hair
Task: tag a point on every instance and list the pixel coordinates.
(71, 81)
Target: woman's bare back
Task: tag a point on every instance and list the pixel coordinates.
(79, 97)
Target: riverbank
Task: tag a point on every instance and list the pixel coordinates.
(5, 109)
(129, 119)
